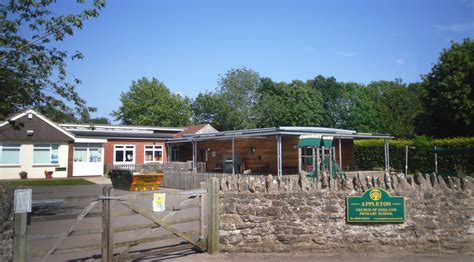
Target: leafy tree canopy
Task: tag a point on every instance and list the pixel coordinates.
(398, 105)
(282, 104)
(32, 73)
(448, 97)
(238, 88)
(151, 103)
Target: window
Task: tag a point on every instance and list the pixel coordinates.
(88, 153)
(45, 154)
(9, 154)
(124, 154)
(153, 153)
(307, 159)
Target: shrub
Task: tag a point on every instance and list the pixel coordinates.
(454, 154)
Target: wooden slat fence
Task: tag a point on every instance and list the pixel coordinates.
(190, 180)
(187, 180)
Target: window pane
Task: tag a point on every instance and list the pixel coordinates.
(41, 156)
(12, 145)
(119, 156)
(148, 147)
(95, 155)
(54, 154)
(129, 156)
(80, 155)
(158, 155)
(148, 156)
(10, 156)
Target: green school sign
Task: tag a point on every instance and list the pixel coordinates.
(376, 206)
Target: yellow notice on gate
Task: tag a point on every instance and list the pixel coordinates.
(159, 202)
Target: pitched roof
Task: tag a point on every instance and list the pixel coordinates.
(196, 129)
(40, 116)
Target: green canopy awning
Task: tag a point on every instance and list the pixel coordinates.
(309, 142)
(327, 141)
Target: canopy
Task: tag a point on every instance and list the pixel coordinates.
(327, 141)
(309, 141)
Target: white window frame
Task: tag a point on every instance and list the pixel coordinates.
(125, 149)
(88, 148)
(2, 146)
(50, 148)
(154, 149)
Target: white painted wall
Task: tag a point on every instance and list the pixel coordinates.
(35, 171)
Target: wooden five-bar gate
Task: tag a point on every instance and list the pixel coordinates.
(126, 228)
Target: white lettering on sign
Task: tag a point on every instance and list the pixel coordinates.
(22, 203)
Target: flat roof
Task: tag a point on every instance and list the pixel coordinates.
(121, 135)
(72, 127)
(285, 131)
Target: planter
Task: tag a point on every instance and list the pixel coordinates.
(48, 174)
(23, 175)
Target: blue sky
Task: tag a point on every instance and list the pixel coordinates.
(187, 44)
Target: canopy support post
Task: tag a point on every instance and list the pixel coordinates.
(340, 154)
(299, 160)
(279, 157)
(194, 157)
(233, 156)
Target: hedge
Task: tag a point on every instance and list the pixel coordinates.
(454, 154)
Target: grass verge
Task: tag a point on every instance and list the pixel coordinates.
(49, 182)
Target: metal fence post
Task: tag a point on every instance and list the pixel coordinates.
(213, 221)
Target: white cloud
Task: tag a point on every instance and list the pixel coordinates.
(457, 27)
(400, 61)
(348, 54)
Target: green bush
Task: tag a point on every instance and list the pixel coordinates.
(369, 154)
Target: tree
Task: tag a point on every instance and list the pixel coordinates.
(365, 116)
(32, 73)
(211, 108)
(448, 98)
(100, 121)
(338, 100)
(398, 106)
(294, 104)
(238, 88)
(151, 103)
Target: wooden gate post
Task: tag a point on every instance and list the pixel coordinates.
(213, 220)
(19, 237)
(203, 218)
(22, 206)
(107, 229)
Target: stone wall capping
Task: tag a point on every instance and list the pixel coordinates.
(301, 183)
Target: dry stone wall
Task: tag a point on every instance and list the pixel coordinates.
(262, 214)
(6, 223)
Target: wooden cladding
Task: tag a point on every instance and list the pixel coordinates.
(260, 154)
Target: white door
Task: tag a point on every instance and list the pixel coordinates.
(88, 160)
